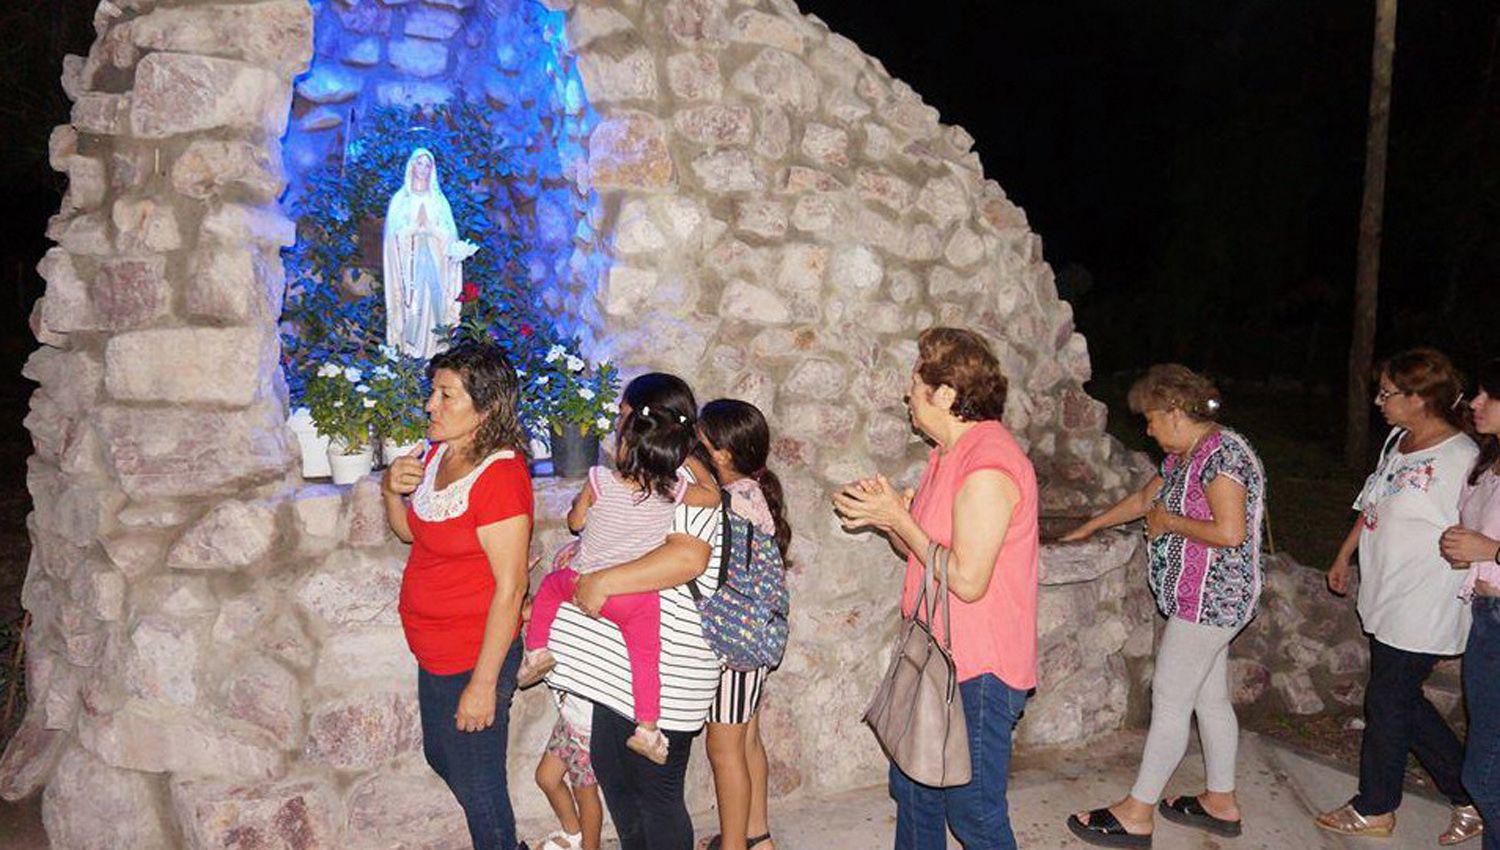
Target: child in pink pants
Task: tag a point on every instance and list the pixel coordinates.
(624, 522)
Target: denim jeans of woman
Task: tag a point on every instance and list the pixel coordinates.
(472, 763)
(646, 801)
(1399, 718)
(977, 812)
(1482, 691)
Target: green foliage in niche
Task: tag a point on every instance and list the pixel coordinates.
(335, 308)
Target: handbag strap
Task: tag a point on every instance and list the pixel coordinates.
(940, 556)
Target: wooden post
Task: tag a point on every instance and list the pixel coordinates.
(1372, 210)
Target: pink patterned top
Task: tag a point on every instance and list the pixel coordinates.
(623, 523)
(1479, 510)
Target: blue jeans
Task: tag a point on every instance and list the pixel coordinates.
(472, 763)
(1482, 690)
(977, 812)
(646, 801)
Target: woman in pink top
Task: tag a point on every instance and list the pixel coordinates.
(1475, 544)
(978, 499)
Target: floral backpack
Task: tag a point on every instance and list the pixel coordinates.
(745, 621)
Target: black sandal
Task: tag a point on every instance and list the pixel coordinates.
(718, 841)
(1188, 811)
(1105, 830)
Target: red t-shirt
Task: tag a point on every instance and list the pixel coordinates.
(447, 587)
(997, 633)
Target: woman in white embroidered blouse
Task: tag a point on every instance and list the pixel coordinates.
(1408, 595)
(645, 800)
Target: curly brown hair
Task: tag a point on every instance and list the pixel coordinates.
(1172, 386)
(961, 359)
(491, 382)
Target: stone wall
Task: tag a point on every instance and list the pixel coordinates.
(214, 655)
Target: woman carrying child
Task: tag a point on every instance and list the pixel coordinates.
(737, 441)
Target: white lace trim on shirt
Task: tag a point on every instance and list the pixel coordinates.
(438, 505)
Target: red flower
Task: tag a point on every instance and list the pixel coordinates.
(526, 331)
(470, 292)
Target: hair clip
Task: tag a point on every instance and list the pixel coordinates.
(1457, 402)
(1212, 405)
(646, 410)
(681, 420)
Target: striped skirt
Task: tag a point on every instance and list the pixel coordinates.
(739, 695)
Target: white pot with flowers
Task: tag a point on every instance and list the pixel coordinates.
(342, 408)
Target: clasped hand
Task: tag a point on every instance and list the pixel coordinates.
(1460, 546)
(872, 503)
(405, 473)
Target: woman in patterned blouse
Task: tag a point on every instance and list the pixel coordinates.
(1203, 513)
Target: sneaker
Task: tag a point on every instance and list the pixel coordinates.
(650, 743)
(559, 840)
(536, 664)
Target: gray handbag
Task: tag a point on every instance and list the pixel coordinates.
(917, 713)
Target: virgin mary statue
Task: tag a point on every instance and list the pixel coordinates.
(423, 260)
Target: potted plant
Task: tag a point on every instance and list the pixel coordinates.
(397, 385)
(579, 404)
(342, 408)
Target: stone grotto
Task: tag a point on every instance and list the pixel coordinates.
(719, 188)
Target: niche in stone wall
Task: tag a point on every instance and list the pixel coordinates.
(489, 88)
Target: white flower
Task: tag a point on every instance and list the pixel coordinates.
(555, 353)
(574, 364)
(362, 388)
(602, 423)
(338, 404)
(329, 370)
(353, 375)
(384, 371)
(541, 380)
(389, 352)
(613, 407)
(369, 403)
(585, 393)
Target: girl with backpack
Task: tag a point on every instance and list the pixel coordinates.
(737, 441)
(621, 515)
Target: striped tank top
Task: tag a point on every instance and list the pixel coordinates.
(623, 526)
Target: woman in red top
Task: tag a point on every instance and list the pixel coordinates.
(466, 509)
(978, 500)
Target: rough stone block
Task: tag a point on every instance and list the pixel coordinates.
(780, 79)
(372, 655)
(629, 151)
(101, 114)
(766, 219)
(232, 170)
(696, 22)
(67, 306)
(92, 806)
(630, 78)
(362, 732)
(724, 171)
(161, 739)
(628, 290)
(756, 27)
(163, 662)
(825, 145)
(278, 33)
(223, 366)
(433, 23)
(181, 93)
(387, 807)
(856, 271)
(29, 758)
(146, 225)
(233, 535)
(232, 224)
(694, 75)
(418, 57)
(715, 125)
(747, 302)
(367, 523)
(293, 814)
(175, 453)
(409, 95)
(591, 23)
(233, 285)
(354, 587)
(262, 693)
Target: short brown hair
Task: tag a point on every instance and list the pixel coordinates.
(961, 359)
(1172, 386)
(1428, 374)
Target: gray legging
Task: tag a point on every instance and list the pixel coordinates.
(1192, 677)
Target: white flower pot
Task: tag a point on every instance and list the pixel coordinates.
(390, 449)
(348, 468)
(314, 446)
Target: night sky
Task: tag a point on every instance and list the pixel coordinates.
(1193, 168)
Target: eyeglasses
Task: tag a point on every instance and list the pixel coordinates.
(1385, 395)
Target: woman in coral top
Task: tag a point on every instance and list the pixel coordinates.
(466, 509)
(978, 499)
